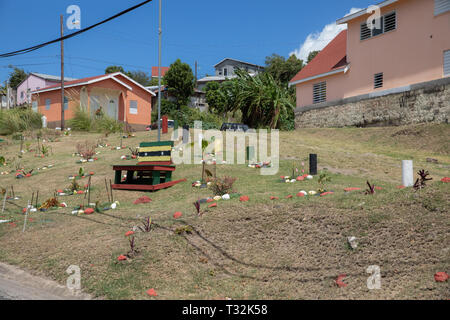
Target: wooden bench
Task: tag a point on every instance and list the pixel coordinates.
(153, 171)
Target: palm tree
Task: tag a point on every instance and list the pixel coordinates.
(260, 98)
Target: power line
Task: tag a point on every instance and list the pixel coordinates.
(30, 49)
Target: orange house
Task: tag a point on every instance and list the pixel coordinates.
(119, 97)
(406, 42)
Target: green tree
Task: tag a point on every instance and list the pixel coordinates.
(16, 77)
(114, 69)
(140, 76)
(283, 70)
(261, 99)
(214, 98)
(180, 82)
(312, 55)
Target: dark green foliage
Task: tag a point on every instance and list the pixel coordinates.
(283, 70)
(312, 55)
(180, 82)
(16, 77)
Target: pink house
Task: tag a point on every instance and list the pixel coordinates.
(36, 81)
(409, 43)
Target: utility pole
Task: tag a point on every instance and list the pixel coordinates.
(159, 73)
(196, 67)
(62, 74)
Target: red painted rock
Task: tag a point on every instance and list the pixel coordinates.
(212, 205)
(12, 225)
(133, 157)
(89, 211)
(326, 193)
(24, 210)
(300, 194)
(152, 293)
(379, 188)
(445, 179)
(60, 191)
(257, 166)
(28, 175)
(441, 277)
(273, 198)
(244, 198)
(401, 187)
(177, 215)
(80, 191)
(289, 196)
(91, 173)
(143, 199)
(351, 189)
(300, 178)
(210, 200)
(121, 258)
(129, 233)
(339, 282)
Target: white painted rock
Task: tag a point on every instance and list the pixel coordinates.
(33, 210)
(304, 192)
(74, 211)
(293, 180)
(352, 242)
(226, 197)
(217, 198)
(312, 192)
(309, 177)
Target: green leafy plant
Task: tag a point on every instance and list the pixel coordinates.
(147, 225)
(323, 180)
(184, 229)
(45, 150)
(2, 161)
(86, 149)
(19, 120)
(81, 121)
(108, 125)
(371, 189)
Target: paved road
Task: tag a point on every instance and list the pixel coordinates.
(16, 284)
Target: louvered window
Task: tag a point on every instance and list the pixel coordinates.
(390, 22)
(320, 92)
(387, 23)
(441, 6)
(378, 80)
(446, 63)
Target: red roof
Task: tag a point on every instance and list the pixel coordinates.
(163, 71)
(332, 57)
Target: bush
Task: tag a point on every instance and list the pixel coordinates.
(19, 120)
(221, 186)
(107, 125)
(81, 121)
(86, 149)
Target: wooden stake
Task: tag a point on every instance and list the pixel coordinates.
(111, 189)
(12, 189)
(4, 201)
(26, 216)
(107, 191)
(37, 196)
(32, 197)
(89, 191)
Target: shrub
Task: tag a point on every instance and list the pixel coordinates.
(221, 186)
(81, 121)
(19, 120)
(86, 149)
(107, 125)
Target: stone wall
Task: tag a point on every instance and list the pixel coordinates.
(424, 102)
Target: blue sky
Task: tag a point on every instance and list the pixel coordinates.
(199, 30)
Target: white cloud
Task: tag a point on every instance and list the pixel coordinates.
(318, 40)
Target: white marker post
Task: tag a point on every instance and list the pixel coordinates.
(407, 173)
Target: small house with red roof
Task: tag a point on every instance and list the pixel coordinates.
(385, 51)
(117, 95)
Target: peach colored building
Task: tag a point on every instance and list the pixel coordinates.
(119, 96)
(408, 43)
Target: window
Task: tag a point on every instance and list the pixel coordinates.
(133, 107)
(225, 72)
(47, 104)
(446, 63)
(66, 103)
(34, 106)
(441, 6)
(378, 80)
(21, 94)
(319, 92)
(387, 23)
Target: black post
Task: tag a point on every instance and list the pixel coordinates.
(313, 164)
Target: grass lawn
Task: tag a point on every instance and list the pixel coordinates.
(260, 249)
